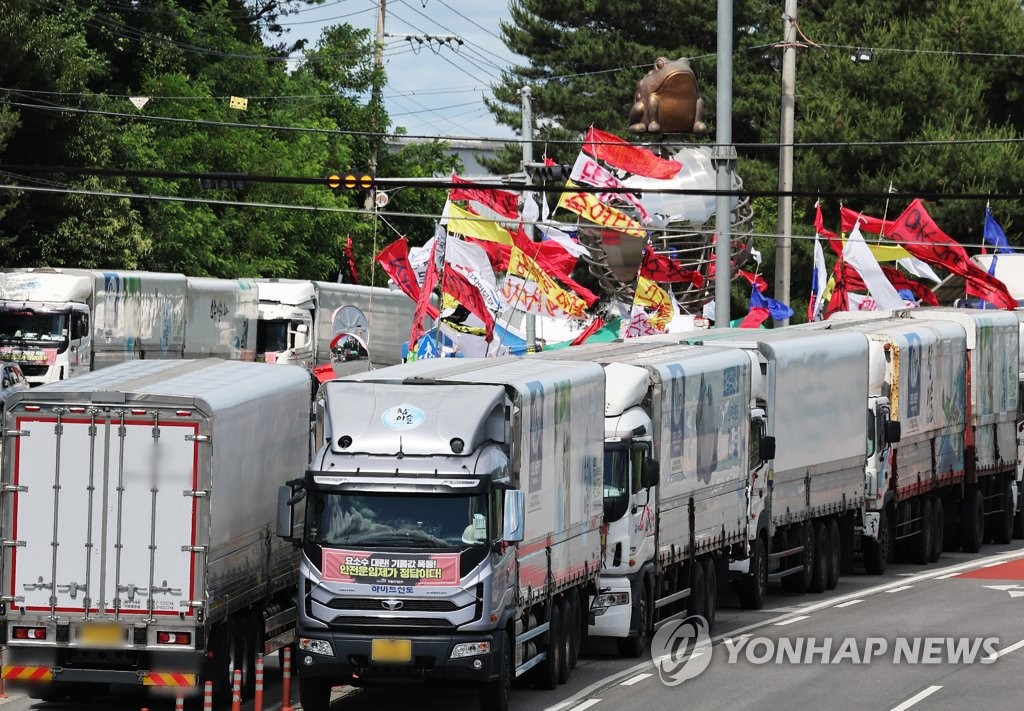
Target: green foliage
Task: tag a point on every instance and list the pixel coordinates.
(188, 57)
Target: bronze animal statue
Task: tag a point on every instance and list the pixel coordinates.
(667, 100)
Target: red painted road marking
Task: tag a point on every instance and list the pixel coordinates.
(1011, 570)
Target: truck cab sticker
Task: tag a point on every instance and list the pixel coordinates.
(392, 571)
(403, 417)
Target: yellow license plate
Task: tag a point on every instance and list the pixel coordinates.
(391, 650)
(101, 634)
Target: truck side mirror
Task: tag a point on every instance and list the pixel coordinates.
(893, 430)
(286, 500)
(514, 517)
(767, 448)
(301, 336)
(651, 474)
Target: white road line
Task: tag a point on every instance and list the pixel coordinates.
(636, 679)
(586, 704)
(950, 571)
(791, 620)
(921, 695)
(849, 603)
(901, 588)
(1001, 652)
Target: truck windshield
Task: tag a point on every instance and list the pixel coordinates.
(616, 482)
(37, 327)
(396, 520)
(272, 336)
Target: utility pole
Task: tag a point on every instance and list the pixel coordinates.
(784, 239)
(724, 158)
(375, 99)
(524, 95)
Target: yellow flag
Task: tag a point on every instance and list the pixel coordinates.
(522, 266)
(465, 223)
(649, 295)
(587, 206)
(238, 102)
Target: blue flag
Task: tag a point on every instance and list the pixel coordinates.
(778, 310)
(994, 234)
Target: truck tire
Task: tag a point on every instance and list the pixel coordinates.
(801, 582)
(314, 693)
(217, 666)
(696, 603)
(835, 545)
(1018, 522)
(1002, 523)
(822, 553)
(972, 520)
(545, 674)
(754, 585)
(710, 591)
(243, 655)
(876, 552)
(494, 694)
(923, 540)
(938, 529)
(635, 645)
(564, 640)
(575, 627)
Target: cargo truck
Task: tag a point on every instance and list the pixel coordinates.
(300, 321)
(812, 389)
(672, 529)
(917, 377)
(56, 323)
(452, 526)
(138, 521)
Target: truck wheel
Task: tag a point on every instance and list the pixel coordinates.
(754, 585)
(695, 604)
(1002, 523)
(216, 668)
(710, 591)
(564, 640)
(635, 645)
(243, 656)
(822, 551)
(923, 542)
(801, 582)
(1018, 523)
(575, 628)
(494, 694)
(876, 552)
(314, 693)
(972, 520)
(938, 529)
(546, 673)
(835, 546)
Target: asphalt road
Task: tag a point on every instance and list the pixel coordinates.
(909, 605)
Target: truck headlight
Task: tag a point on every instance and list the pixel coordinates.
(605, 600)
(316, 646)
(470, 649)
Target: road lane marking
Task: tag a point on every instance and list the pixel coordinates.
(941, 573)
(1012, 648)
(791, 620)
(992, 565)
(586, 704)
(636, 679)
(901, 588)
(849, 603)
(920, 696)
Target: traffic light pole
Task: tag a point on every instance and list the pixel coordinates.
(524, 94)
(784, 240)
(724, 158)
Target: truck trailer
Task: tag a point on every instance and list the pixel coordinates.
(452, 526)
(138, 519)
(56, 323)
(673, 529)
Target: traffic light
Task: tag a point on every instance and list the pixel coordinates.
(349, 181)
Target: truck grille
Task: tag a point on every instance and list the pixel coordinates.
(31, 370)
(393, 625)
(340, 603)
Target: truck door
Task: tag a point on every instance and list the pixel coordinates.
(100, 512)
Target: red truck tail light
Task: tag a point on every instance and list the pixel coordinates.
(173, 637)
(29, 633)
(183, 413)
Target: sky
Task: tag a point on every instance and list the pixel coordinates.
(435, 87)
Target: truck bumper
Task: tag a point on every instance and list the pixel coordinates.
(615, 620)
(353, 662)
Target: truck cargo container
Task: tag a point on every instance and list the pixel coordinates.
(138, 519)
(672, 530)
(452, 526)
